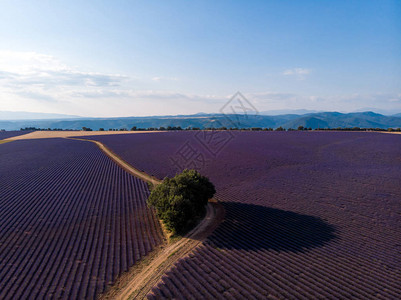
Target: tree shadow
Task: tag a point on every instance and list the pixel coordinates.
(254, 227)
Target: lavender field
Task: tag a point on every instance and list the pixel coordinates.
(71, 220)
(9, 134)
(308, 214)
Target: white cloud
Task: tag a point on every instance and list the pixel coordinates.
(27, 69)
(395, 98)
(161, 78)
(298, 73)
(36, 82)
(31, 81)
(26, 62)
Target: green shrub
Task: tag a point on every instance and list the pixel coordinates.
(180, 201)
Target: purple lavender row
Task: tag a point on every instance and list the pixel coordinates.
(9, 134)
(308, 214)
(71, 220)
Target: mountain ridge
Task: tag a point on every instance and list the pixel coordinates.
(366, 119)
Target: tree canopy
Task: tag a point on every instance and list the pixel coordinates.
(180, 201)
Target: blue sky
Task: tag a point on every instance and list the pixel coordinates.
(125, 58)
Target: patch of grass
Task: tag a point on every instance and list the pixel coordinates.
(174, 238)
(173, 253)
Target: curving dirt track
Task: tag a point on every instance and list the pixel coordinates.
(147, 278)
(130, 169)
(146, 274)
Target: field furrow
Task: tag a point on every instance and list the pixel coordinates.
(71, 220)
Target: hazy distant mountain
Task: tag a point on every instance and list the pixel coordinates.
(22, 115)
(335, 119)
(313, 120)
(287, 112)
(386, 112)
(308, 122)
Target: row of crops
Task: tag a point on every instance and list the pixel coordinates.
(10, 134)
(71, 220)
(308, 214)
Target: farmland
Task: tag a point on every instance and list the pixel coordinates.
(71, 220)
(10, 134)
(308, 214)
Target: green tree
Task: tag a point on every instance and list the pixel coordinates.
(180, 201)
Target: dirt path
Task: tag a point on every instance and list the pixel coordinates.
(144, 275)
(126, 166)
(142, 283)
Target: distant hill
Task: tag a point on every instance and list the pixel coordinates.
(334, 120)
(22, 115)
(287, 112)
(308, 122)
(313, 120)
(386, 112)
